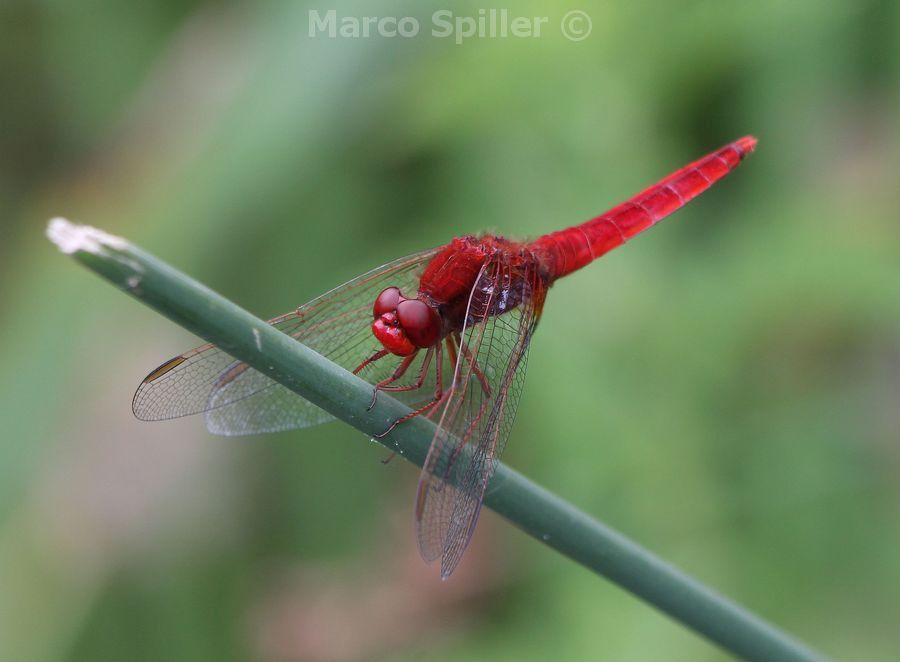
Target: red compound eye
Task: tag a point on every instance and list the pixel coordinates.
(404, 325)
(386, 302)
(419, 321)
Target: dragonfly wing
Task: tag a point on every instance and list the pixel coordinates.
(255, 403)
(237, 399)
(503, 310)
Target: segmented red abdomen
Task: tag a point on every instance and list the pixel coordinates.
(565, 251)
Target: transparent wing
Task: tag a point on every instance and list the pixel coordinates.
(503, 311)
(237, 399)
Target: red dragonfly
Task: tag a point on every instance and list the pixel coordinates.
(446, 331)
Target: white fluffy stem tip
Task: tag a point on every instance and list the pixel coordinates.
(72, 238)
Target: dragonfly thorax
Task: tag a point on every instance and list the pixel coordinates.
(403, 325)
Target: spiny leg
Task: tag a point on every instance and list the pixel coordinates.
(398, 373)
(380, 354)
(377, 356)
(383, 385)
(454, 341)
(478, 373)
(486, 388)
(439, 393)
(420, 378)
(451, 350)
(430, 405)
(452, 356)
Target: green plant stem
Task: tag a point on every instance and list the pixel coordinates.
(536, 511)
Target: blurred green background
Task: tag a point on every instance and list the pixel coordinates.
(724, 389)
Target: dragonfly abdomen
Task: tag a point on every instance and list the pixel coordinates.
(568, 250)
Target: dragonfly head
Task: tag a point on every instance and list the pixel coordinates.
(404, 325)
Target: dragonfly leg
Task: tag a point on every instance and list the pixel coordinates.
(451, 350)
(478, 373)
(453, 341)
(398, 373)
(439, 393)
(380, 354)
(384, 384)
(411, 415)
(486, 388)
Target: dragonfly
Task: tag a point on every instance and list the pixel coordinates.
(446, 331)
